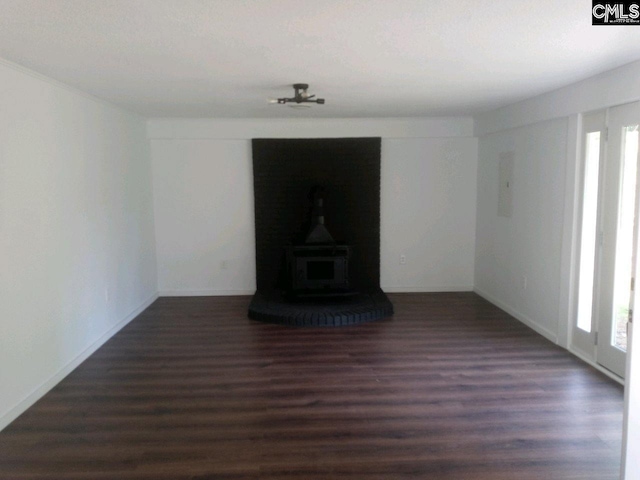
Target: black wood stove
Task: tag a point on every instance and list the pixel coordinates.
(319, 266)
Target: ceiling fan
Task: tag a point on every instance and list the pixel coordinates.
(300, 96)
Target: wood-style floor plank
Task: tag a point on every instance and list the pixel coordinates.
(449, 388)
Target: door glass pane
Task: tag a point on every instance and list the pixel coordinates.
(589, 232)
(624, 238)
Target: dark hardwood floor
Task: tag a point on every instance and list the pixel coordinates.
(450, 388)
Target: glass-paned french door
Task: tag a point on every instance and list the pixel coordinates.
(608, 233)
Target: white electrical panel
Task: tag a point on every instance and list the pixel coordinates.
(505, 187)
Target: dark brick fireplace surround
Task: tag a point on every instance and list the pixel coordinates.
(285, 171)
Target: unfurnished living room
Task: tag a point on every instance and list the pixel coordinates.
(319, 239)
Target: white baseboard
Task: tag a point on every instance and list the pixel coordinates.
(595, 365)
(387, 289)
(47, 385)
(545, 332)
(427, 289)
(205, 293)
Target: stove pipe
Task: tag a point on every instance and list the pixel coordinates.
(318, 234)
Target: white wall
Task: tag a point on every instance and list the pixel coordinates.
(203, 190)
(539, 241)
(518, 257)
(76, 231)
(614, 87)
(428, 213)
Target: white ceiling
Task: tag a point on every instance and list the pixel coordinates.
(367, 58)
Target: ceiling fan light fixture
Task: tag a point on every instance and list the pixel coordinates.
(301, 95)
